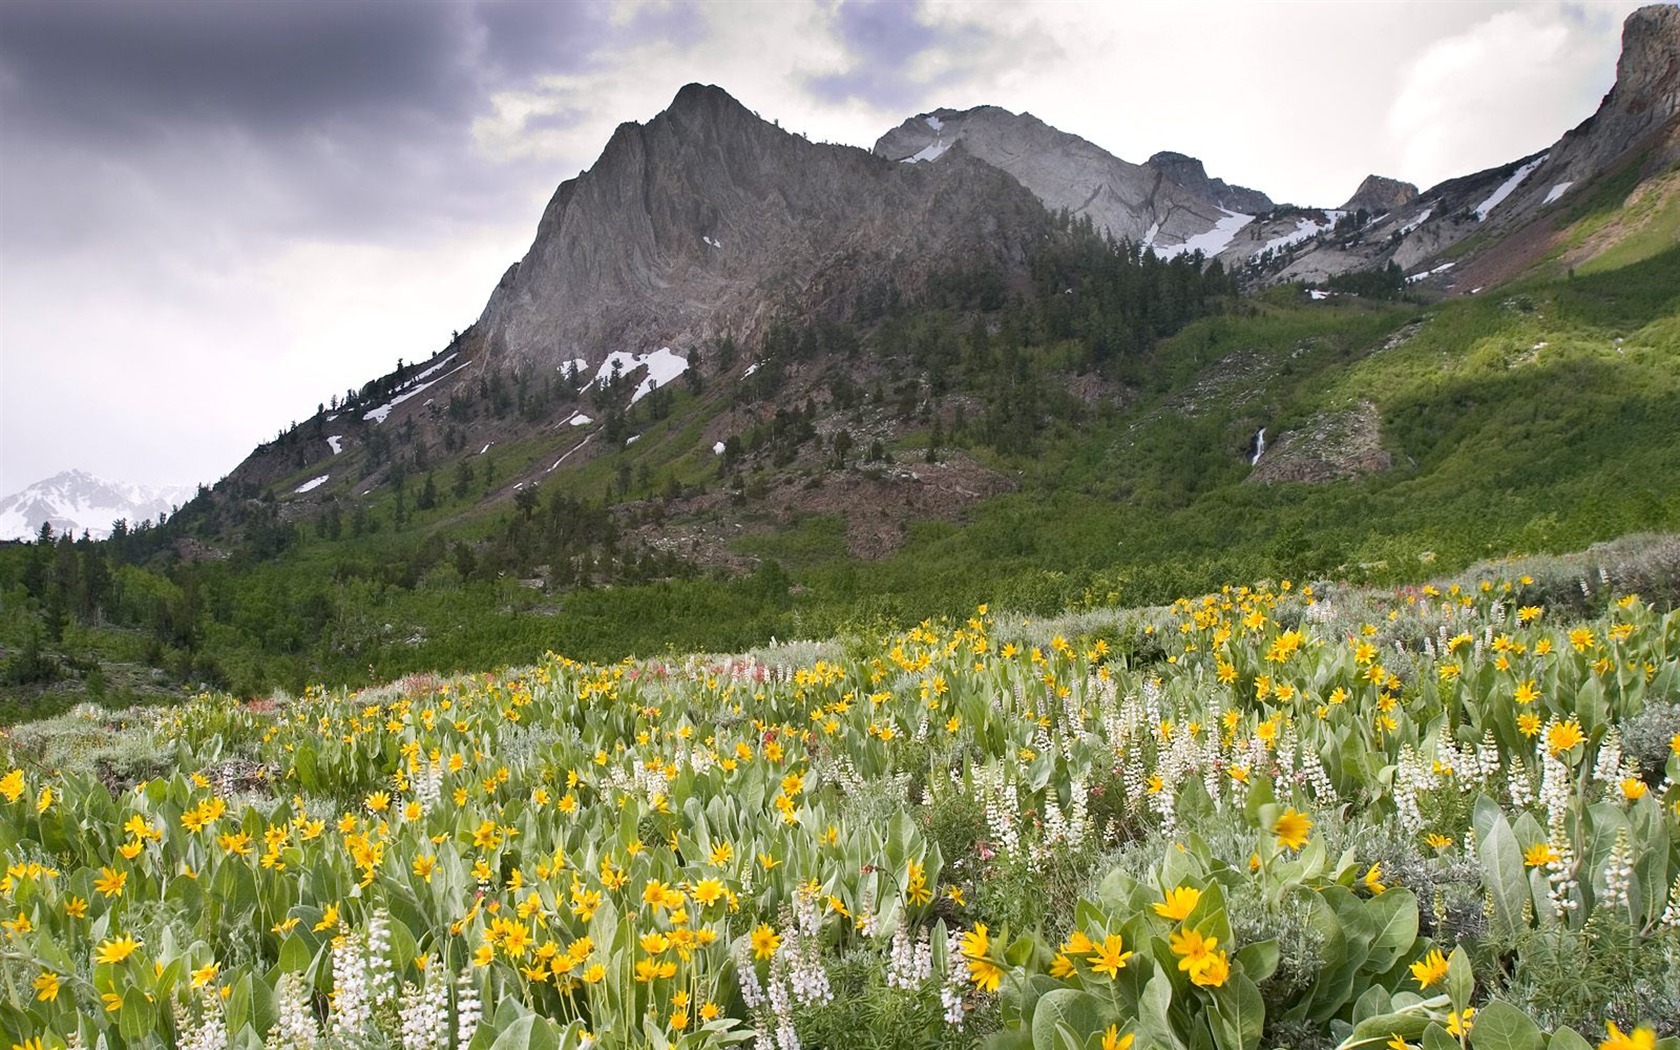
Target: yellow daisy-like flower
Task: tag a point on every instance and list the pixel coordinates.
(1292, 829)
(116, 950)
(1539, 855)
(1113, 1040)
(110, 883)
(765, 941)
(1108, 958)
(1430, 970)
(1561, 736)
(1459, 1024)
(204, 975)
(1178, 903)
(982, 971)
(1638, 1039)
(46, 986)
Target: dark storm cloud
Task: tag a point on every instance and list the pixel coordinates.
(884, 38)
(346, 120)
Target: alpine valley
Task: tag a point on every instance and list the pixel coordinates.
(744, 386)
(1217, 624)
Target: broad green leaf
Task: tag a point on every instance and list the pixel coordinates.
(1239, 1014)
(1501, 1026)
(1502, 867)
(1079, 1011)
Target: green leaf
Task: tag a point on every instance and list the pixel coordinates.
(1394, 914)
(136, 1017)
(1080, 1011)
(1502, 867)
(1566, 1038)
(1239, 1014)
(1435, 1037)
(1259, 959)
(1461, 979)
(1501, 1026)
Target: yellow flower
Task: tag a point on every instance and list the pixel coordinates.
(1430, 970)
(721, 853)
(329, 918)
(765, 941)
(1634, 789)
(75, 908)
(1062, 967)
(708, 891)
(1178, 903)
(1528, 723)
(1291, 829)
(1213, 971)
(11, 785)
(1372, 878)
(46, 986)
(424, 865)
(1527, 692)
(1539, 855)
(1395, 1042)
(110, 883)
(1113, 1040)
(204, 975)
(1191, 947)
(116, 950)
(1638, 1039)
(1459, 1024)
(1108, 958)
(1561, 736)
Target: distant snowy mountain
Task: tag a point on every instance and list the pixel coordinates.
(76, 500)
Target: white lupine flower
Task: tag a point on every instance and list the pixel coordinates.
(294, 1027)
(352, 1006)
(468, 1009)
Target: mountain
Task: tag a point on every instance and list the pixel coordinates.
(1135, 202)
(1171, 205)
(709, 219)
(76, 501)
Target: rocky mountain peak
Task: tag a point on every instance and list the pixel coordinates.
(1379, 194)
(1192, 175)
(708, 218)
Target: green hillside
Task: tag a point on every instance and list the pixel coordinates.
(1115, 432)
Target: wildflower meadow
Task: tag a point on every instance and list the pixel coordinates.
(1280, 816)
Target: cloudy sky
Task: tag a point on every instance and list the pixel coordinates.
(215, 215)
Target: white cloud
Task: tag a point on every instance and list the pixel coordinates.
(1500, 89)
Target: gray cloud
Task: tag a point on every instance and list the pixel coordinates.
(884, 39)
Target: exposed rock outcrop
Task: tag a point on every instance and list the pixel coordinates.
(1331, 446)
(708, 218)
(1131, 201)
(1380, 195)
(1189, 173)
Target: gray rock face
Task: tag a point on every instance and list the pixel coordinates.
(1131, 201)
(1644, 100)
(1189, 173)
(708, 219)
(1379, 195)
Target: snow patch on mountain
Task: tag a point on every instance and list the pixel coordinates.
(312, 484)
(932, 151)
(1210, 243)
(410, 388)
(1509, 186)
(1305, 230)
(663, 365)
(1557, 192)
